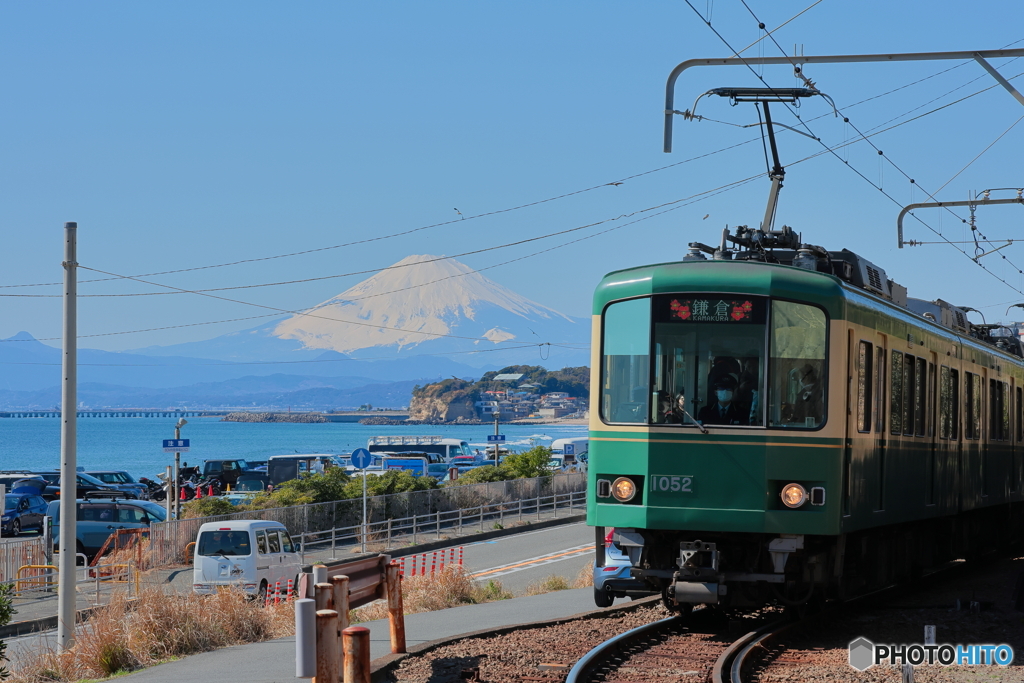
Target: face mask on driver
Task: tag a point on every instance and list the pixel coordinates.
(723, 395)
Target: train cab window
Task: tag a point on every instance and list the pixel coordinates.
(865, 356)
(708, 359)
(949, 402)
(626, 364)
(796, 396)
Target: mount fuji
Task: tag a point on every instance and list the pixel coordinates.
(422, 316)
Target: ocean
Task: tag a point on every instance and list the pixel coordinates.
(134, 443)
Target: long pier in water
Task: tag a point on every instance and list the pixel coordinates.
(118, 413)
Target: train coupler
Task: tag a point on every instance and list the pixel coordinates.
(697, 581)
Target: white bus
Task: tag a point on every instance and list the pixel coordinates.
(446, 448)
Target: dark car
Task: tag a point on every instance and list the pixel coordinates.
(8, 478)
(86, 484)
(24, 509)
(121, 480)
(98, 519)
(227, 471)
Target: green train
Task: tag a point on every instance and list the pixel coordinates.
(773, 421)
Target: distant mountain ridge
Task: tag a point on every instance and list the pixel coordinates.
(423, 318)
(422, 306)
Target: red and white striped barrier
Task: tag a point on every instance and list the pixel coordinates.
(277, 592)
(290, 593)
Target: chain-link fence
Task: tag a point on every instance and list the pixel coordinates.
(321, 522)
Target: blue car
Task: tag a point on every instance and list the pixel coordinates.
(24, 509)
(613, 579)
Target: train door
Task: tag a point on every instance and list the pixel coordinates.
(931, 392)
(864, 449)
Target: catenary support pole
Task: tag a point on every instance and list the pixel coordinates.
(66, 596)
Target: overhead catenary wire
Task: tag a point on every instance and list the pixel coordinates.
(829, 149)
(305, 312)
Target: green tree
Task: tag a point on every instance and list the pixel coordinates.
(392, 481)
(480, 475)
(318, 487)
(6, 612)
(532, 463)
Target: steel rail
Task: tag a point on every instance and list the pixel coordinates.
(609, 647)
(735, 658)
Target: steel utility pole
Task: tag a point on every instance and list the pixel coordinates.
(66, 596)
(177, 468)
(496, 433)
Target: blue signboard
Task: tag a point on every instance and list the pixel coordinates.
(361, 458)
(175, 445)
(496, 438)
(569, 449)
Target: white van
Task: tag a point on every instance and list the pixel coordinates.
(248, 553)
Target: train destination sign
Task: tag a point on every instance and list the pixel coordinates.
(710, 308)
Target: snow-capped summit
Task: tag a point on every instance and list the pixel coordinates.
(421, 299)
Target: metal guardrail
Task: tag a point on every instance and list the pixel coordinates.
(414, 510)
(42, 579)
(412, 528)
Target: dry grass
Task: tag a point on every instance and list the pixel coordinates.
(585, 577)
(547, 585)
(450, 587)
(132, 634)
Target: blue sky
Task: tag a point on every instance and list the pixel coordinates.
(190, 134)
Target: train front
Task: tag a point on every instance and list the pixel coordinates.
(714, 451)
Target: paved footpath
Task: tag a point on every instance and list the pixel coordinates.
(274, 661)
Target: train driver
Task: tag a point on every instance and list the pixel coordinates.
(724, 411)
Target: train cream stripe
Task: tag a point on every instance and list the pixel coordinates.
(731, 443)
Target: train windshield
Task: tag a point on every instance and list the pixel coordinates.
(717, 359)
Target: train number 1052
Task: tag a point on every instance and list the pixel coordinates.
(672, 483)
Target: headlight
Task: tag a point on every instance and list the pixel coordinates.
(623, 489)
(793, 495)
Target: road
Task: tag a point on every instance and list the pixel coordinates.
(523, 559)
(516, 561)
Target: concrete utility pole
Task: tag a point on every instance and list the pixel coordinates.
(66, 596)
(177, 468)
(496, 433)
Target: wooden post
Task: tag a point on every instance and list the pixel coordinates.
(328, 657)
(340, 589)
(340, 584)
(324, 596)
(396, 612)
(357, 654)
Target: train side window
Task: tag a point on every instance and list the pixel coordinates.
(932, 396)
(1004, 409)
(626, 368)
(1019, 412)
(879, 390)
(999, 420)
(909, 385)
(864, 377)
(972, 406)
(896, 394)
(947, 403)
(920, 397)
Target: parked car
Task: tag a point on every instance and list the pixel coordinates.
(121, 480)
(251, 554)
(225, 470)
(613, 579)
(9, 478)
(97, 519)
(86, 484)
(24, 509)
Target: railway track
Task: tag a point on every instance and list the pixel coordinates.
(710, 646)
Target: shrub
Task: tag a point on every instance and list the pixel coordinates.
(392, 481)
(450, 587)
(6, 612)
(206, 507)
